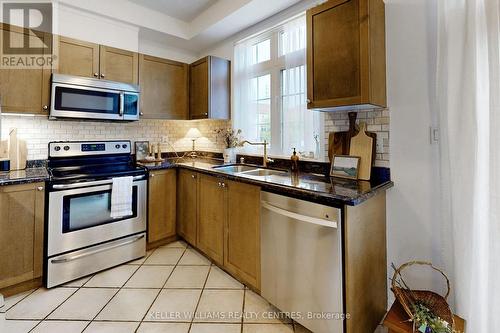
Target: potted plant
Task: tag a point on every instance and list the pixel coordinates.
(231, 139)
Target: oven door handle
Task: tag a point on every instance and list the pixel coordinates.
(94, 183)
(97, 250)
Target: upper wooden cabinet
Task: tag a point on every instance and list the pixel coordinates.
(78, 58)
(161, 205)
(24, 90)
(187, 205)
(118, 65)
(210, 88)
(81, 58)
(21, 236)
(346, 55)
(164, 88)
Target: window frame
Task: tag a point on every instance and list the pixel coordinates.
(275, 66)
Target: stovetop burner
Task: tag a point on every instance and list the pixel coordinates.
(78, 160)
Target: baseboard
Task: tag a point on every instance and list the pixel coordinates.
(21, 287)
(161, 242)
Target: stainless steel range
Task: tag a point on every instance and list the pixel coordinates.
(82, 236)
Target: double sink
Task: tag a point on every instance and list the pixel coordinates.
(249, 170)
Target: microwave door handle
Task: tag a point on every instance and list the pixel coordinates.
(122, 106)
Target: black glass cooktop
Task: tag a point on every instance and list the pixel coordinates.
(94, 171)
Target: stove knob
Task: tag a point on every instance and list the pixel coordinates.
(117, 146)
(57, 148)
(66, 148)
(124, 146)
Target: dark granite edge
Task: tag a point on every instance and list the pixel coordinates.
(318, 197)
(33, 175)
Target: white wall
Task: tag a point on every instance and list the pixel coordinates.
(413, 204)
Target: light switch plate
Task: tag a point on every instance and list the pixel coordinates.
(434, 135)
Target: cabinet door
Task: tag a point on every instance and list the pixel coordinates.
(78, 58)
(119, 65)
(21, 220)
(187, 198)
(220, 88)
(242, 240)
(198, 89)
(164, 88)
(162, 205)
(346, 54)
(24, 90)
(212, 217)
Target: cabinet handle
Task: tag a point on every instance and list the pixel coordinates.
(96, 74)
(102, 76)
(308, 101)
(45, 107)
(141, 113)
(206, 114)
(223, 184)
(193, 176)
(219, 184)
(152, 175)
(39, 188)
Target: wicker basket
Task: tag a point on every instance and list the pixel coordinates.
(433, 301)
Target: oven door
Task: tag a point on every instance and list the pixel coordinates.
(79, 215)
(73, 101)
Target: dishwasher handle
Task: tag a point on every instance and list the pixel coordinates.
(300, 217)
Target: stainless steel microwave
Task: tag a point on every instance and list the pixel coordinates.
(88, 98)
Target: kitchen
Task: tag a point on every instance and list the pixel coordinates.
(214, 166)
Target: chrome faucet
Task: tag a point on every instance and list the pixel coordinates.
(265, 159)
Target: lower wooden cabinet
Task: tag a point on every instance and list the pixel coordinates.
(21, 236)
(242, 239)
(212, 217)
(222, 219)
(187, 205)
(162, 205)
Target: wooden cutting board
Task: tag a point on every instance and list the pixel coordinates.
(362, 145)
(339, 142)
(17, 151)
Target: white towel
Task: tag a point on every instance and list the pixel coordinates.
(121, 197)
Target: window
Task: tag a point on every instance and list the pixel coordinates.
(270, 92)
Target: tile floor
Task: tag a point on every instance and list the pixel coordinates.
(173, 289)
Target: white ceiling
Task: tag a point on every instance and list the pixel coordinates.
(185, 10)
(191, 25)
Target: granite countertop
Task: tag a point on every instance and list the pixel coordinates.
(326, 190)
(29, 175)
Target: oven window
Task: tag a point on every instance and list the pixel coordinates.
(88, 210)
(71, 99)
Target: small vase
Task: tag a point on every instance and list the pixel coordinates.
(230, 155)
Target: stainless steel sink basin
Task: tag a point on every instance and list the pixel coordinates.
(263, 172)
(248, 170)
(235, 168)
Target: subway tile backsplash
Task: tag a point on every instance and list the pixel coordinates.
(376, 121)
(38, 131)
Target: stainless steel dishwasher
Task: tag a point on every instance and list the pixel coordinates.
(301, 261)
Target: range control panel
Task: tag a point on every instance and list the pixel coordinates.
(87, 148)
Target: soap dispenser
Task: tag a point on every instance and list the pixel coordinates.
(294, 161)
